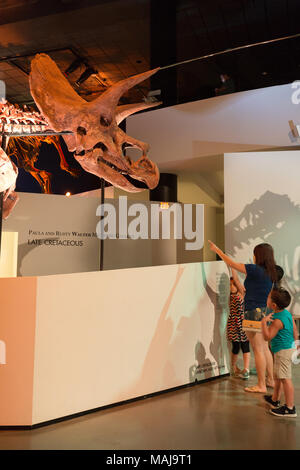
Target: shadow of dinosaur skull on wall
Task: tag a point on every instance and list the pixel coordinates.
(96, 139)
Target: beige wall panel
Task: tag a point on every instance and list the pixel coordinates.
(17, 339)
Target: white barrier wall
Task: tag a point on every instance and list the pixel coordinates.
(262, 205)
(104, 337)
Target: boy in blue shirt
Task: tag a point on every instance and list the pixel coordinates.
(282, 332)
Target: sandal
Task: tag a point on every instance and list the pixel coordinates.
(255, 389)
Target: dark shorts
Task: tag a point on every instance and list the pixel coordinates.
(237, 345)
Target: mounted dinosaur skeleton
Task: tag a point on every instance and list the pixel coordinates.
(8, 176)
(13, 119)
(96, 139)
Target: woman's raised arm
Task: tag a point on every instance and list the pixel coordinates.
(229, 261)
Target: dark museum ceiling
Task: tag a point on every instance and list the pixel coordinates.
(119, 38)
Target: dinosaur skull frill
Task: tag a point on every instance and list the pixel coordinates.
(96, 139)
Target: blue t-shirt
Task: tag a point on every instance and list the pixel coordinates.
(258, 285)
(285, 337)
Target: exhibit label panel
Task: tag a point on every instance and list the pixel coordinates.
(57, 234)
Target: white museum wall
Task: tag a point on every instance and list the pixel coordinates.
(159, 328)
(236, 122)
(92, 345)
(262, 205)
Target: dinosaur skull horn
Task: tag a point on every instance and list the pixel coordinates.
(123, 111)
(110, 98)
(53, 94)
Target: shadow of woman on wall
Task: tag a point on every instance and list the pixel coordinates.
(220, 301)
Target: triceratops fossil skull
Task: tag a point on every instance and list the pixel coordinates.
(96, 139)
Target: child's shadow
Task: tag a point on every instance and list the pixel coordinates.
(203, 369)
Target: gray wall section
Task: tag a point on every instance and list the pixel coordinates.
(48, 244)
(57, 235)
(270, 213)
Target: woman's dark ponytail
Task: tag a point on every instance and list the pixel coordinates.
(264, 257)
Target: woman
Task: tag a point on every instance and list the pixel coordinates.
(258, 283)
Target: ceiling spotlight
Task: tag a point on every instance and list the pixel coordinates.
(75, 64)
(85, 75)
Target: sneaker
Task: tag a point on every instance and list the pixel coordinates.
(284, 411)
(244, 374)
(235, 372)
(274, 404)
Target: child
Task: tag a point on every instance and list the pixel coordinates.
(235, 332)
(281, 332)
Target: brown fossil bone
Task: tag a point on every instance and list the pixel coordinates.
(97, 140)
(12, 118)
(26, 151)
(8, 176)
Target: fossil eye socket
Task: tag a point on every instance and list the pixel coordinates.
(104, 121)
(101, 146)
(125, 146)
(81, 130)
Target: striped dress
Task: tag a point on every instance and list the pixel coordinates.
(235, 330)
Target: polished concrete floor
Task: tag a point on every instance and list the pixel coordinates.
(212, 415)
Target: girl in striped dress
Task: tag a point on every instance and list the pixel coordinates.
(235, 332)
